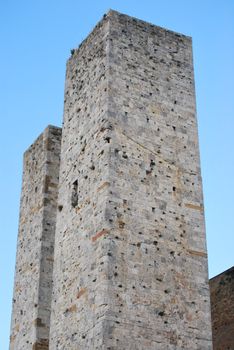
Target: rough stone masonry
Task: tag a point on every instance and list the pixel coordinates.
(30, 322)
(129, 252)
(222, 310)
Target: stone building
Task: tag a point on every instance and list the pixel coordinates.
(222, 310)
(111, 248)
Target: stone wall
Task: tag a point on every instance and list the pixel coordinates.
(158, 270)
(80, 271)
(222, 310)
(130, 267)
(35, 247)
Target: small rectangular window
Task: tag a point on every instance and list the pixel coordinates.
(74, 195)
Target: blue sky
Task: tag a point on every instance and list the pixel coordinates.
(36, 38)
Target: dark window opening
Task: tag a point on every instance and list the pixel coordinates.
(74, 196)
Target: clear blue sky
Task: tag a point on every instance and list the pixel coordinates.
(36, 38)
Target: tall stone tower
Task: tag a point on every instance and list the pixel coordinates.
(130, 262)
(30, 322)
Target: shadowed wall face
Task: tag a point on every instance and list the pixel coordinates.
(222, 310)
(35, 248)
(130, 266)
(80, 269)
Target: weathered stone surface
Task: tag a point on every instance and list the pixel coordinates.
(222, 310)
(35, 248)
(130, 268)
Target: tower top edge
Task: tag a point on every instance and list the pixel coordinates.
(41, 135)
(111, 14)
(229, 271)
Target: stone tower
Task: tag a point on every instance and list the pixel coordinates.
(130, 262)
(30, 322)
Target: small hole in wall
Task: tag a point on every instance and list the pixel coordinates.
(161, 313)
(107, 139)
(74, 195)
(60, 207)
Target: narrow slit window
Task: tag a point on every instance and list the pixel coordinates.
(74, 195)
